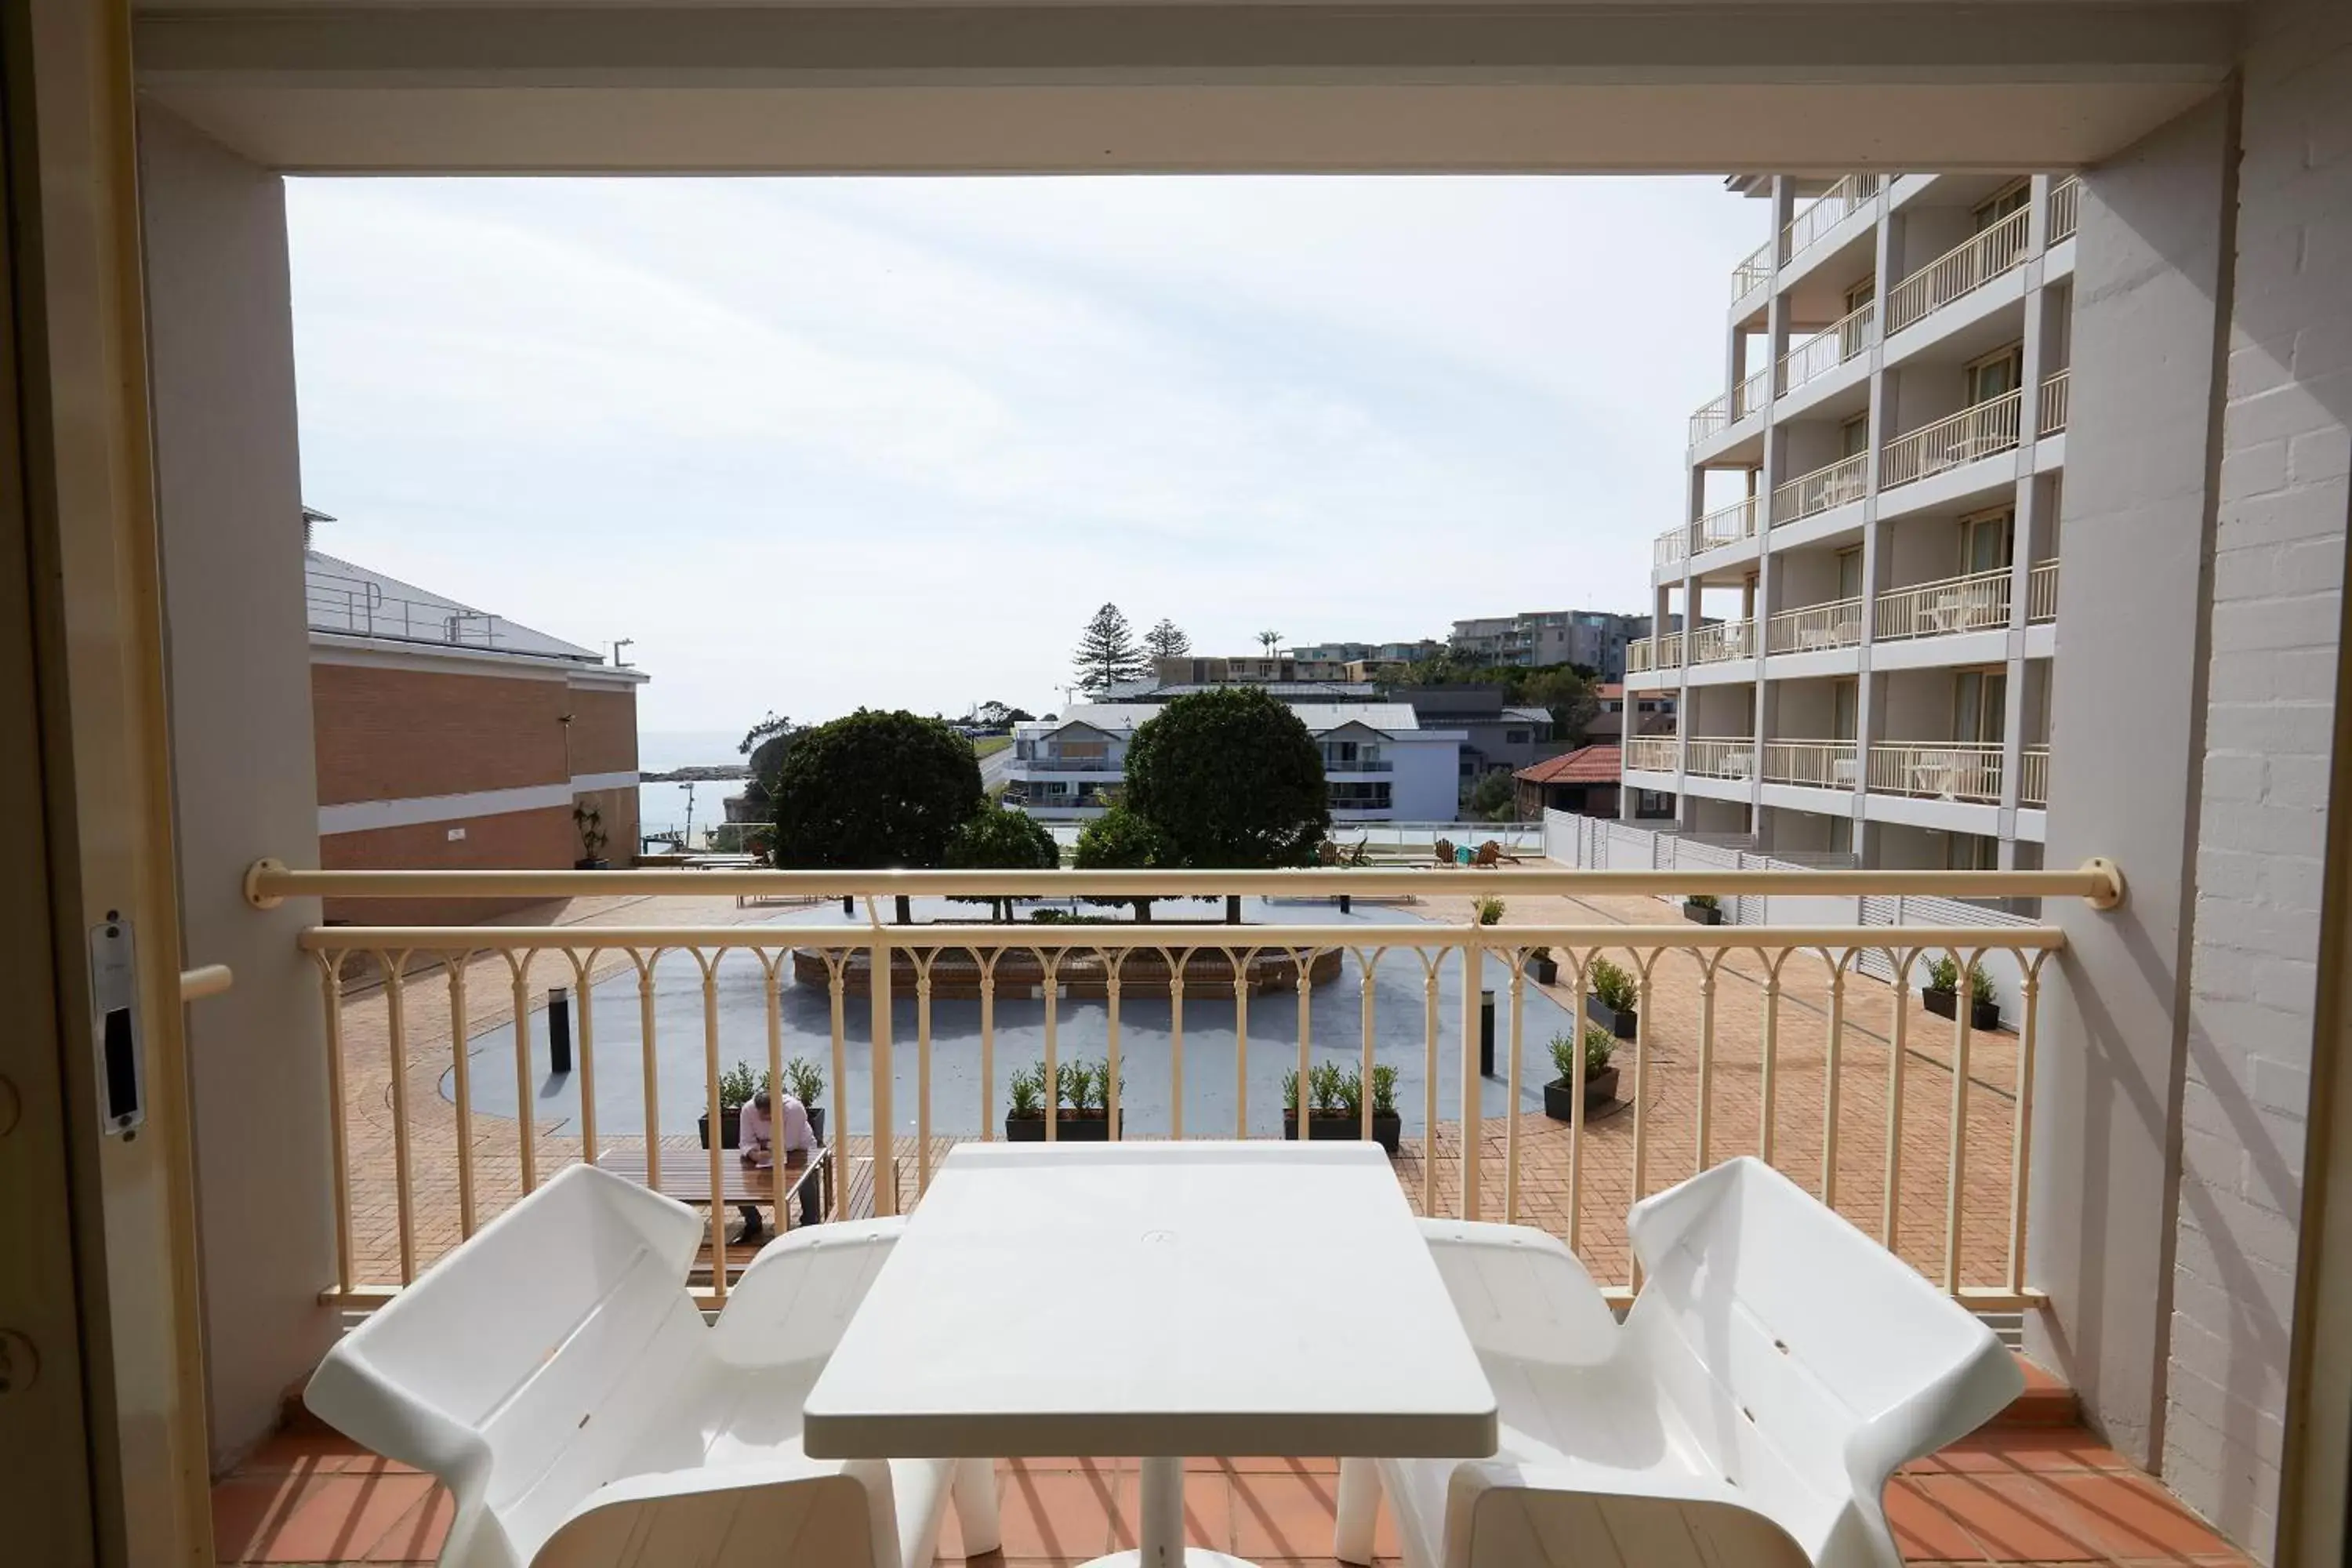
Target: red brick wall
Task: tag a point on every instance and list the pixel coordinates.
(539, 840)
(395, 734)
(604, 732)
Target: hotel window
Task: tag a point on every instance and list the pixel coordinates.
(1996, 374)
(1846, 711)
(2010, 198)
(1979, 702)
(1985, 542)
(1854, 436)
(1849, 571)
(1971, 852)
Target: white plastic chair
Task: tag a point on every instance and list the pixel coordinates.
(1776, 1368)
(556, 1375)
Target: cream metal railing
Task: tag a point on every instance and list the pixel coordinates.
(1638, 657)
(2053, 402)
(1719, 756)
(2066, 208)
(1722, 641)
(1980, 430)
(2033, 777)
(1825, 212)
(1752, 394)
(1942, 770)
(1816, 628)
(1830, 485)
(1672, 546)
(1824, 764)
(706, 981)
(1712, 417)
(1960, 271)
(2042, 592)
(1833, 345)
(1664, 651)
(1652, 754)
(1752, 273)
(1725, 525)
(1977, 601)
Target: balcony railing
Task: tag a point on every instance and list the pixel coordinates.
(1977, 601)
(1724, 640)
(1832, 485)
(2033, 777)
(2053, 402)
(1652, 754)
(1825, 212)
(1752, 273)
(1937, 770)
(1832, 346)
(1725, 525)
(1713, 418)
(1360, 766)
(1664, 651)
(1060, 764)
(1960, 271)
(1719, 756)
(434, 1129)
(1672, 546)
(1980, 430)
(2065, 204)
(1815, 629)
(2041, 592)
(1824, 765)
(1752, 394)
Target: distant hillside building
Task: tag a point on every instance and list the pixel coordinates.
(1593, 638)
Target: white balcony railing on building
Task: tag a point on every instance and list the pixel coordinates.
(2033, 777)
(1712, 419)
(1937, 770)
(1824, 765)
(1052, 763)
(1753, 272)
(1815, 629)
(1664, 651)
(1835, 344)
(1719, 756)
(1960, 271)
(433, 1133)
(1814, 220)
(1752, 394)
(2041, 592)
(2053, 402)
(1672, 546)
(1725, 525)
(1832, 485)
(1652, 754)
(1722, 641)
(1980, 430)
(2065, 206)
(1977, 601)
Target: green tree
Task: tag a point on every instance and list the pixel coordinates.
(1494, 798)
(1120, 840)
(1269, 640)
(1233, 781)
(999, 839)
(874, 791)
(1108, 652)
(1167, 640)
(1569, 695)
(774, 724)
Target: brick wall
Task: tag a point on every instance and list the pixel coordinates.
(603, 731)
(541, 840)
(2279, 553)
(395, 734)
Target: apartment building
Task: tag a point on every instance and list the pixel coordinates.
(1869, 561)
(449, 738)
(1593, 638)
(1371, 653)
(1381, 765)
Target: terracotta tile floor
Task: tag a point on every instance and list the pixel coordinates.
(2009, 1495)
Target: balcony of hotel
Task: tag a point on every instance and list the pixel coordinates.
(1826, 488)
(1810, 225)
(1937, 770)
(1724, 642)
(1813, 765)
(1981, 430)
(1973, 602)
(2055, 389)
(1994, 253)
(1723, 527)
(1653, 657)
(1815, 629)
(1842, 343)
(1733, 408)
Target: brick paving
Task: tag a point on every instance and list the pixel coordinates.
(1668, 1086)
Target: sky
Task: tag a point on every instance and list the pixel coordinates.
(821, 444)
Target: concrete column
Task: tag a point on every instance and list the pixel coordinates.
(228, 483)
(2152, 281)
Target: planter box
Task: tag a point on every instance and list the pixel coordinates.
(1622, 1024)
(1069, 1127)
(1703, 914)
(1388, 1128)
(1983, 1015)
(1544, 967)
(591, 865)
(727, 1122)
(1599, 1088)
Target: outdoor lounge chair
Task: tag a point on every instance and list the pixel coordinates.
(1445, 848)
(1489, 854)
(1775, 1370)
(556, 1375)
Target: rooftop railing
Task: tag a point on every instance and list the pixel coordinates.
(442, 1114)
(1980, 430)
(356, 607)
(1960, 271)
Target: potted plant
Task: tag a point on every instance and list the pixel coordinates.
(1611, 1001)
(1543, 966)
(1941, 994)
(735, 1086)
(804, 1083)
(1599, 1078)
(590, 823)
(1703, 909)
(1080, 1115)
(1490, 909)
(1335, 1104)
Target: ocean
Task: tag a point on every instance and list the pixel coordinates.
(664, 806)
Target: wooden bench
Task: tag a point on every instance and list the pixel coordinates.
(685, 1175)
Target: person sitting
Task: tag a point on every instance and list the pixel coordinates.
(760, 1136)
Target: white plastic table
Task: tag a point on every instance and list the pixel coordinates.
(1156, 1300)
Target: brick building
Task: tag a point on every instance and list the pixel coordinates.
(449, 738)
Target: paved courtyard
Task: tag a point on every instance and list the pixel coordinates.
(1797, 1098)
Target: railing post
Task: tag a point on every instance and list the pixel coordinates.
(1473, 1087)
(886, 1173)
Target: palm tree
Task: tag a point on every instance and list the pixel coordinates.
(1269, 641)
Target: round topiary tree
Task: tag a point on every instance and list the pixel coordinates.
(1233, 781)
(1121, 840)
(874, 791)
(997, 838)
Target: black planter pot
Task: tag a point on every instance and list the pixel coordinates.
(816, 1124)
(1388, 1128)
(1599, 1088)
(1622, 1024)
(1703, 914)
(1946, 1004)
(729, 1122)
(1544, 967)
(1984, 1016)
(591, 865)
(1068, 1128)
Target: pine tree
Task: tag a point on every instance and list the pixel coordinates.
(1108, 652)
(1167, 640)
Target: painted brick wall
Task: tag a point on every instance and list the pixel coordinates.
(395, 734)
(2277, 578)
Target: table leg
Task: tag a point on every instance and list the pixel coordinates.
(1160, 1525)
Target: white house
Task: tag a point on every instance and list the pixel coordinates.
(1381, 765)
